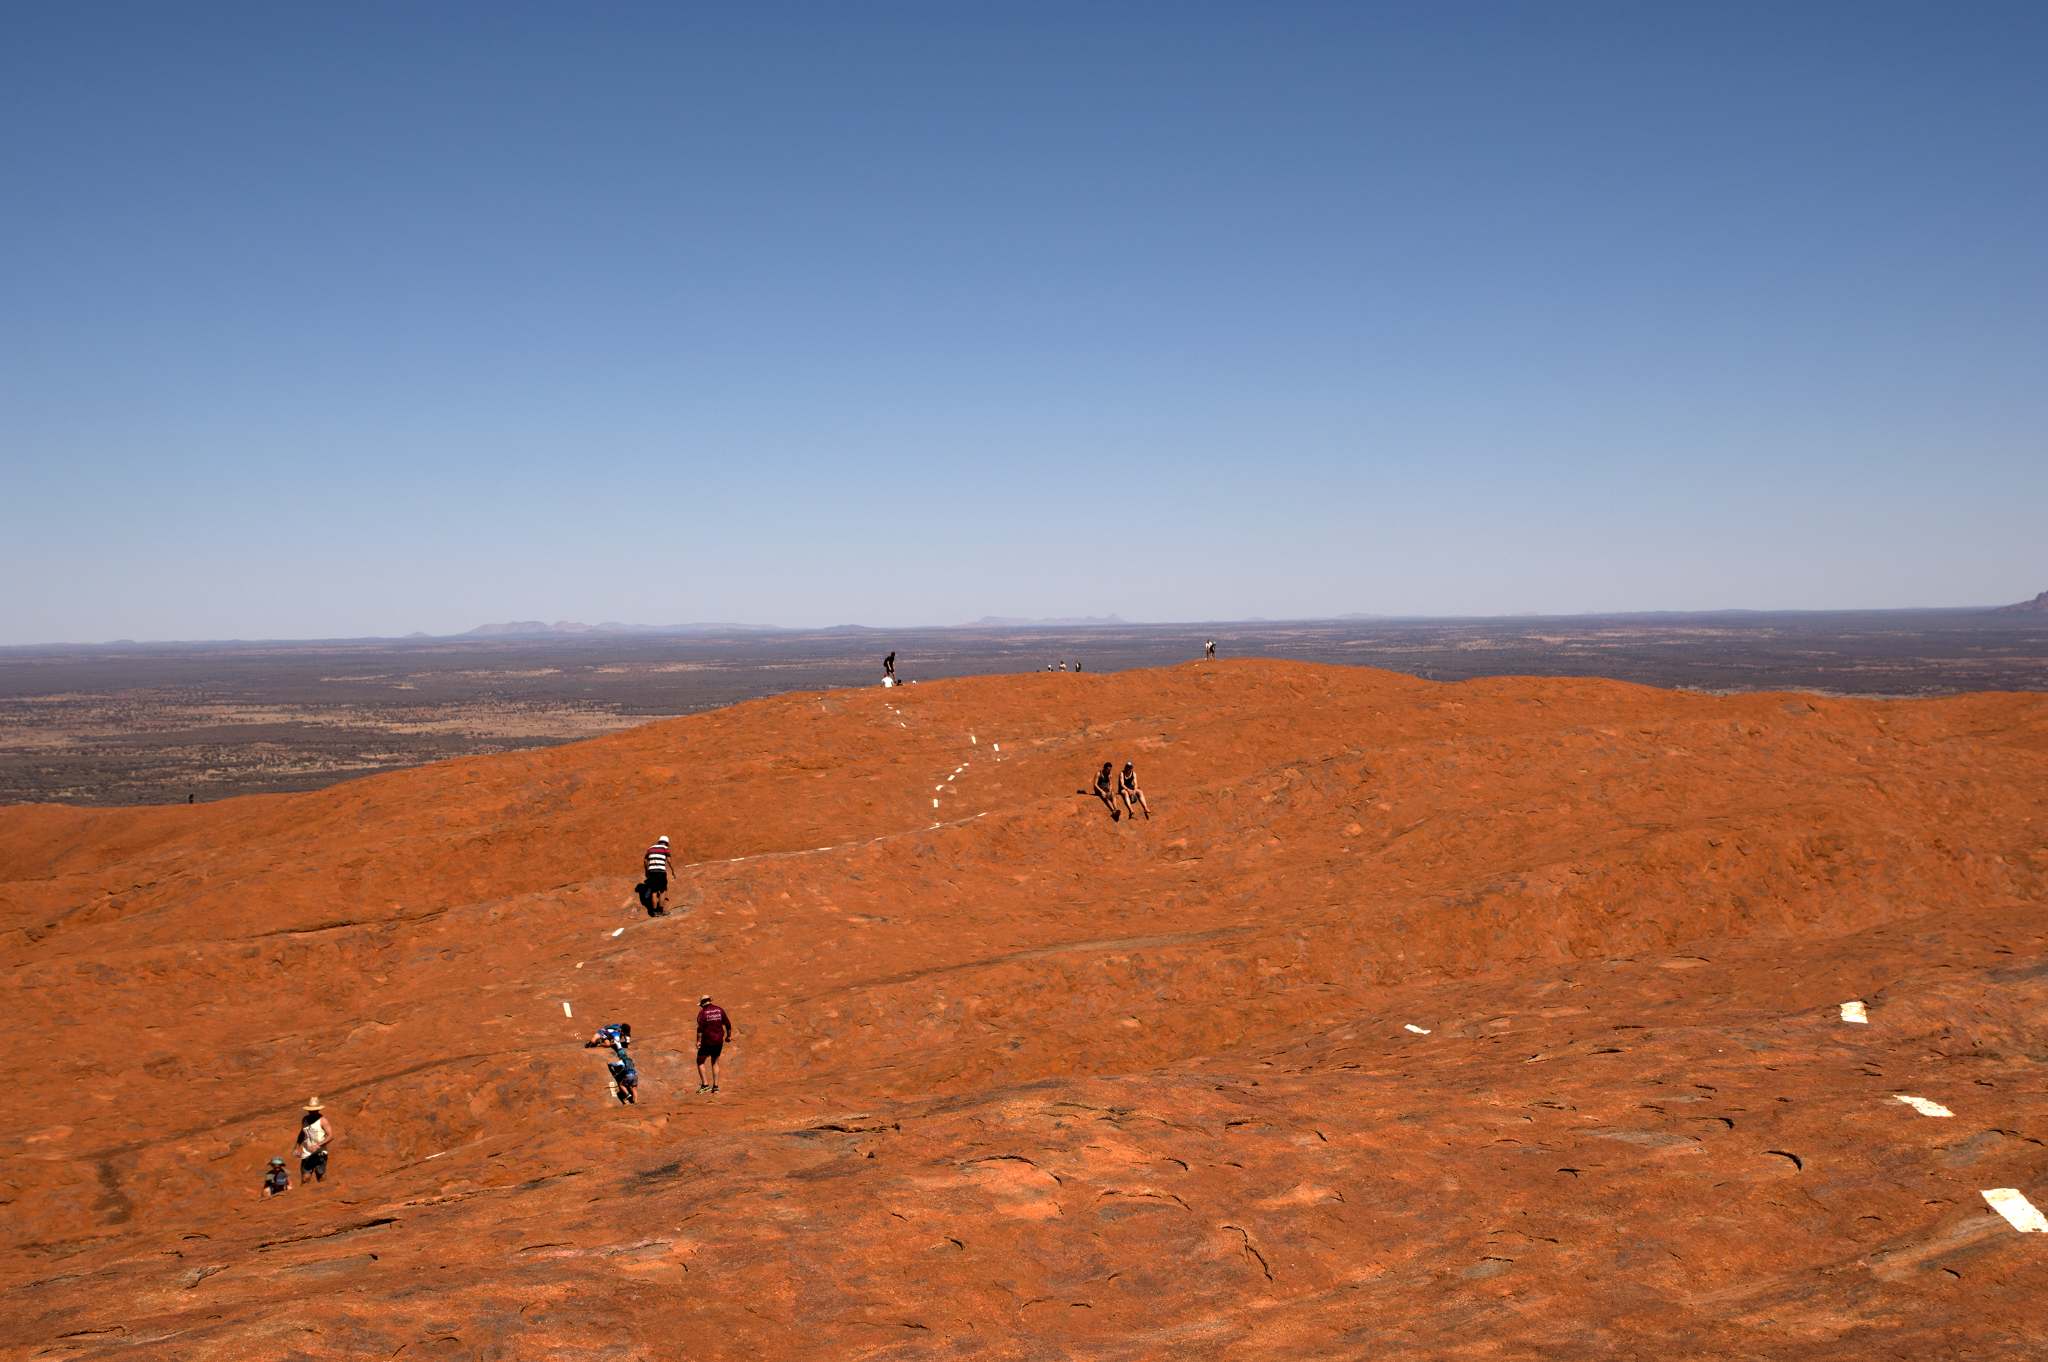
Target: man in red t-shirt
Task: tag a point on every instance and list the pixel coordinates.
(714, 1029)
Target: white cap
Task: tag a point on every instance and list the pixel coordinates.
(662, 838)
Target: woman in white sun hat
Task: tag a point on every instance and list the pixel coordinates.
(316, 1132)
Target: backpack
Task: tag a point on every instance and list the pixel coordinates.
(622, 1069)
(615, 1038)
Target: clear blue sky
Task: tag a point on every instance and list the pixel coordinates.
(335, 320)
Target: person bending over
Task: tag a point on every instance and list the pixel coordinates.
(657, 876)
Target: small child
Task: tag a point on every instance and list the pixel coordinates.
(276, 1180)
(623, 1075)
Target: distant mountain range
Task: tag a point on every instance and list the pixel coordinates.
(525, 628)
(2037, 606)
(1007, 622)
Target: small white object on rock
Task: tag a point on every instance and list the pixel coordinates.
(1416, 1029)
(1854, 1012)
(566, 1012)
(1923, 1106)
(620, 932)
(2018, 1211)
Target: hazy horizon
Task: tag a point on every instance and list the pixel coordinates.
(322, 323)
(625, 630)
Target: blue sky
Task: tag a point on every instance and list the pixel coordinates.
(322, 321)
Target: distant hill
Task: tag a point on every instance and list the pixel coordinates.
(2037, 606)
(1006, 622)
(524, 628)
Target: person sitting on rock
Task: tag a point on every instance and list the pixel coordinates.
(1105, 790)
(1128, 791)
(275, 1179)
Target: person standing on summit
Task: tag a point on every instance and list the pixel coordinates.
(889, 669)
(657, 875)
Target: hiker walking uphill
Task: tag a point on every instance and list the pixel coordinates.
(714, 1029)
(316, 1132)
(654, 889)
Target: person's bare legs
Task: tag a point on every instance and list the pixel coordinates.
(702, 1081)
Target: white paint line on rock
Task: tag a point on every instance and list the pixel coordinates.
(1855, 1012)
(620, 932)
(1923, 1106)
(1416, 1029)
(566, 1012)
(2018, 1211)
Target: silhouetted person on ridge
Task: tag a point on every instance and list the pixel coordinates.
(889, 669)
(1212, 649)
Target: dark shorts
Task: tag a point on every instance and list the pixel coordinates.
(314, 1168)
(657, 881)
(708, 1050)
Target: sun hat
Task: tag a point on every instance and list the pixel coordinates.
(663, 838)
(313, 1105)
(703, 1000)
(277, 1160)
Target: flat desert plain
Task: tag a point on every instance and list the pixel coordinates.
(126, 724)
(1496, 1018)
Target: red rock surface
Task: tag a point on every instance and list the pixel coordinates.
(1016, 1081)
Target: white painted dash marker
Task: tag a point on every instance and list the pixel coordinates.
(1923, 1106)
(1416, 1029)
(566, 1012)
(935, 803)
(1854, 1012)
(620, 932)
(2018, 1211)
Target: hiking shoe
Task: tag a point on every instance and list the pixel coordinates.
(705, 1087)
(714, 1087)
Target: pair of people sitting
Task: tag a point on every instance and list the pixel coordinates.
(1110, 788)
